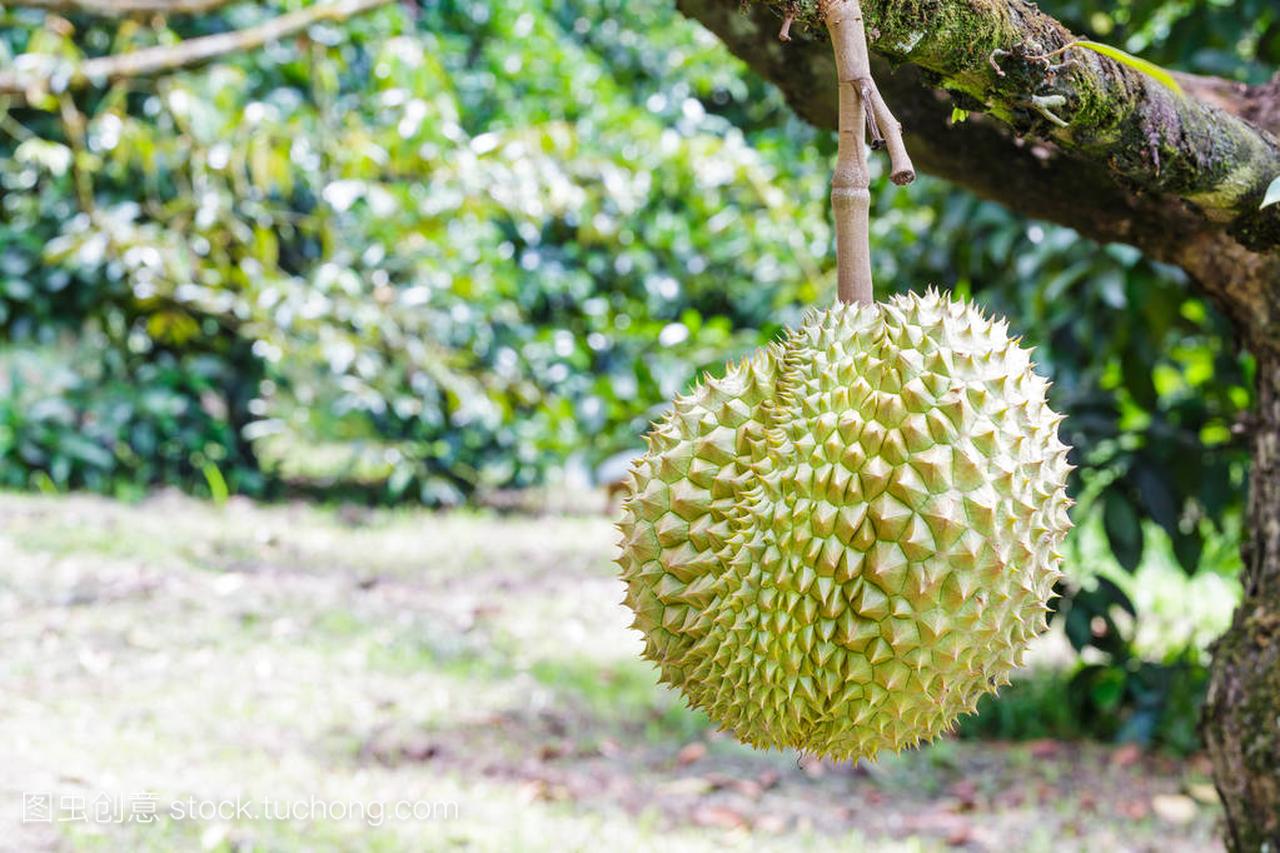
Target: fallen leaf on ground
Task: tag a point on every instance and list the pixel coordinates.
(965, 793)
(721, 817)
(1011, 799)
(719, 780)
(1204, 792)
(1126, 756)
(1134, 809)
(1201, 763)
(690, 753)
(1044, 748)
(774, 824)
(1174, 808)
(960, 834)
(769, 779)
(419, 750)
(539, 790)
(814, 768)
(688, 786)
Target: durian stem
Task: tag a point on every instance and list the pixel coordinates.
(861, 106)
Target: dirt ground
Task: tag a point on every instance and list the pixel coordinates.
(177, 675)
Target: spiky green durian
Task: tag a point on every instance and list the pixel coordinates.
(850, 538)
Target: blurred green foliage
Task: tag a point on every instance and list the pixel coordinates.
(1146, 702)
(459, 248)
(452, 246)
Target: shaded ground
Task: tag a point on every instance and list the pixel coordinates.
(171, 651)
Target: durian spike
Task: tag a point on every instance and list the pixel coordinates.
(861, 107)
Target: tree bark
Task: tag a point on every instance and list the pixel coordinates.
(1178, 176)
(1241, 723)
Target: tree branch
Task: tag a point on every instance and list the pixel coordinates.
(1137, 163)
(55, 75)
(1259, 105)
(122, 8)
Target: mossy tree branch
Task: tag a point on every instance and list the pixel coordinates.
(1179, 176)
(1150, 135)
(987, 51)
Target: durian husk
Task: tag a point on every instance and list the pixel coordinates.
(852, 536)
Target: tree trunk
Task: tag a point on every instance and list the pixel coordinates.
(1241, 725)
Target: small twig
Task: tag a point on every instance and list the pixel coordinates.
(73, 123)
(784, 34)
(991, 60)
(10, 125)
(901, 170)
(1044, 104)
(1055, 70)
(873, 127)
(1051, 54)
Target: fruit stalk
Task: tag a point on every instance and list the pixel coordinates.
(861, 108)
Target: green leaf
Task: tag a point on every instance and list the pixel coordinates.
(1273, 194)
(1188, 548)
(1077, 628)
(1109, 690)
(1149, 68)
(86, 450)
(1137, 378)
(959, 116)
(1109, 593)
(216, 482)
(1124, 530)
(1158, 494)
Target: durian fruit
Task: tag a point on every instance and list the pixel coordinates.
(852, 536)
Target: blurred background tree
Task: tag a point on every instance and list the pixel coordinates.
(431, 251)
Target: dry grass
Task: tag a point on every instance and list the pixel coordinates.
(475, 663)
